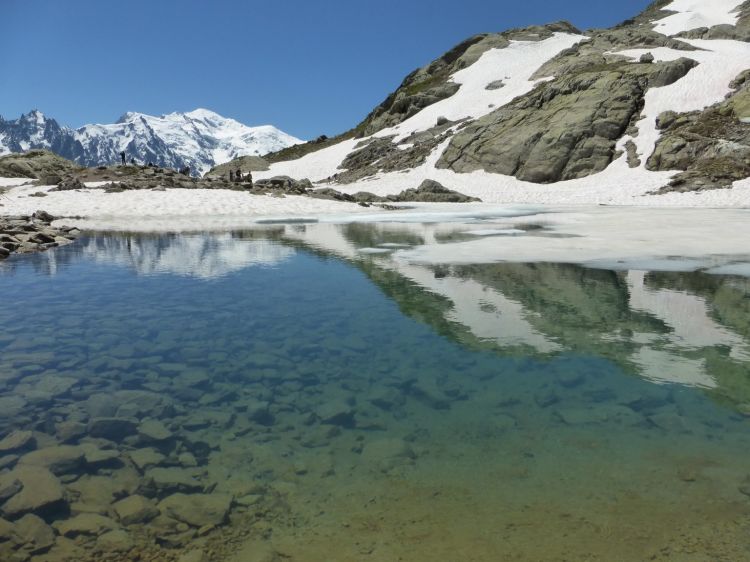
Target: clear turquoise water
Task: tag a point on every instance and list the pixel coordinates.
(370, 420)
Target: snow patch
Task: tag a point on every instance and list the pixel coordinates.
(694, 14)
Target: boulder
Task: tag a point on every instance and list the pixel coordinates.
(146, 458)
(35, 535)
(17, 441)
(9, 486)
(160, 481)
(41, 492)
(197, 510)
(115, 541)
(433, 192)
(69, 183)
(153, 431)
(92, 524)
(135, 509)
(115, 429)
(61, 459)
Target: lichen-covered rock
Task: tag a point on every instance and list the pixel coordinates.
(564, 129)
(35, 164)
(431, 191)
(711, 148)
(430, 84)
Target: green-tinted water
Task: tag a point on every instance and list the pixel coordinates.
(281, 395)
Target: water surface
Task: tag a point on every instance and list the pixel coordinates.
(361, 407)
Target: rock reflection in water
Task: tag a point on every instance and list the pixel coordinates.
(297, 413)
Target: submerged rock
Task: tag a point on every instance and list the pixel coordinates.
(17, 441)
(85, 524)
(135, 509)
(61, 459)
(35, 535)
(197, 510)
(41, 492)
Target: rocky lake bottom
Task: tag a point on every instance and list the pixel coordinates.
(274, 394)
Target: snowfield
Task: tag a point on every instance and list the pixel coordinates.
(694, 14)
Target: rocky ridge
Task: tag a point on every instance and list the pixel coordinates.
(65, 176)
(573, 124)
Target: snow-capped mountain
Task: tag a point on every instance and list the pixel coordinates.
(199, 139)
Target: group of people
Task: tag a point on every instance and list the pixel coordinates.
(238, 177)
(234, 176)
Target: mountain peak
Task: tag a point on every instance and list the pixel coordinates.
(202, 113)
(128, 116)
(34, 116)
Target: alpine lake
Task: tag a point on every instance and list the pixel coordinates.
(294, 392)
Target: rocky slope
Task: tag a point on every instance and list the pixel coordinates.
(199, 139)
(666, 91)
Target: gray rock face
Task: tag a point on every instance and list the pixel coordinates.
(432, 192)
(430, 84)
(562, 130)
(711, 147)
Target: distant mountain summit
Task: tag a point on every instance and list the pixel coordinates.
(199, 139)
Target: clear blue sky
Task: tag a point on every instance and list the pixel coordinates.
(309, 67)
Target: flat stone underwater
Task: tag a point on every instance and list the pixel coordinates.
(253, 398)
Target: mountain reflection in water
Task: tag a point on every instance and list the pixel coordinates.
(689, 328)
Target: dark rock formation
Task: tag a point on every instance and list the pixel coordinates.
(432, 192)
(711, 147)
(36, 164)
(25, 234)
(564, 129)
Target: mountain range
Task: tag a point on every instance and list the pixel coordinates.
(199, 139)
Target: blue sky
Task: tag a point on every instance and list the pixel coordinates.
(308, 67)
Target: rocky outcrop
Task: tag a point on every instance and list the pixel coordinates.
(430, 84)
(25, 234)
(430, 191)
(564, 129)
(710, 147)
(245, 164)
(36, 164)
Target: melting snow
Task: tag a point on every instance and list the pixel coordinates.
(694, 14)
